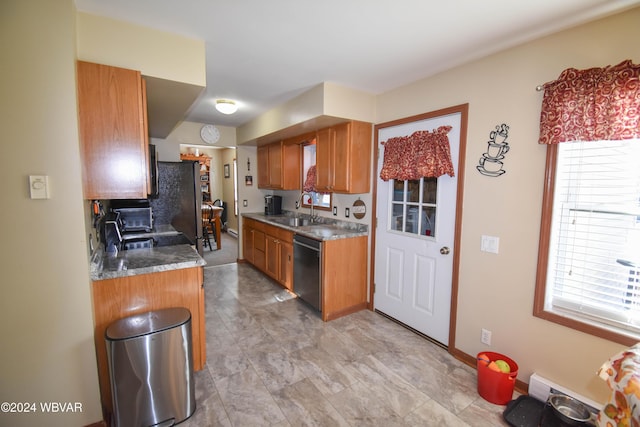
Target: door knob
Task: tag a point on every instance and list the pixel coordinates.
(445, 250)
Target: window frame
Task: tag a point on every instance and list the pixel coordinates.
(543, 261)
(306, 198)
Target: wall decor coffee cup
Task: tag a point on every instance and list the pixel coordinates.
(490, 163)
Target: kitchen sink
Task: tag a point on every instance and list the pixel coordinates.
(298, 222)
(292, 221)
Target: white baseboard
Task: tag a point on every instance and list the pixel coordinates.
(541, 388)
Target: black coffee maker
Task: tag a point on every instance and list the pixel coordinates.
(272, 205)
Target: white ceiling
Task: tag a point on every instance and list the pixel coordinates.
(262, 53)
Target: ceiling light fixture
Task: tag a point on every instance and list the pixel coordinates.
(226, 106)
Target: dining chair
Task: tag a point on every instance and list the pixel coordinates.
(207, 218)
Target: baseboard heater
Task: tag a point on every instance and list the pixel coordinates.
(541, 388)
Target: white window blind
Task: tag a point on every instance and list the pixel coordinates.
(594, 253)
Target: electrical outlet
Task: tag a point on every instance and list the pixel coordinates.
(485, 337)
(335, 210)
(297, 205)
(346, 212)
(245, 203)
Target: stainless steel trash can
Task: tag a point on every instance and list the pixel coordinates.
(151, 368)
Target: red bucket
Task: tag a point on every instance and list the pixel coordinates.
(496, 387)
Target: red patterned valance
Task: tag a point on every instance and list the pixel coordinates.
(310, 182)
(592, 105)
(422, 154)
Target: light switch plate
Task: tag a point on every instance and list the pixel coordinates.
(490, 244)
(39, 186)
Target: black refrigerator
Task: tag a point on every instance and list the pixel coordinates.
(179, 203)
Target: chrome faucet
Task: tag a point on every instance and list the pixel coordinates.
(299, 203)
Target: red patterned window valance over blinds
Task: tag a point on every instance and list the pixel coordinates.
(422, 154)
(597, 104)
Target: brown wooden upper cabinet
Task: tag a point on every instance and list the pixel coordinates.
(279, 166)
(112, 115)
(343, 158)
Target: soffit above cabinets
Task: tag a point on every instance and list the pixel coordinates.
(168, 103)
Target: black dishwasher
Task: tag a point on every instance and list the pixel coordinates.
(307, 280)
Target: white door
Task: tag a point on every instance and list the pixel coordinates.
(415, 237)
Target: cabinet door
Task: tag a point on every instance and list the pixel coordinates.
(275, 165)
(199, 322)
(272, 254)
(259, 250)
(111, 116)
(247, 240)
(286, 265)
(344, 276)
(291, 169)
(324, 160)
(342, 157)
(271, 166)
(263, 167)
(358, 167)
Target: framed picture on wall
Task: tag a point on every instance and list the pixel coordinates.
(227, 174)
(204, 177)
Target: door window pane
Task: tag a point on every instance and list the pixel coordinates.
(413, 191)
(397, 217)
(398, 191)
(428, 221)
(429, 193)
(412, 221)
(413, 207)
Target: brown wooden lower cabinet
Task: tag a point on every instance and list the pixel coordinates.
(269, 249)
(344, 265)
(116, 298)
(344, 277)
(279, 255)
(286, 264)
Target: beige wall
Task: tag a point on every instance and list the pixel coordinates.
(121, 44)
(254, 197)
(188, 133)
(45, 309)
(496, 291)
(227, 158)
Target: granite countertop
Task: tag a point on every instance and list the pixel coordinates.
(322, 229)
(142, 261)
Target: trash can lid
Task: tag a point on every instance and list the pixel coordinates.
(147, 323)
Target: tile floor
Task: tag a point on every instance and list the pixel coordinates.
(271, 361)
